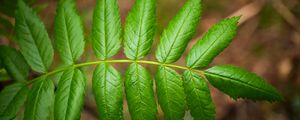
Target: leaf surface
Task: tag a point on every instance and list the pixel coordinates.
(170, 93)
(14, 63)
(239, 83)
(212, 43)
(70, 95)
(106, 31)
(179, 32)
(69, 33)
(198, 96)
(140, 29)
(40, 100)
(108, 92)
(33, 39)
(12, 97)
(139, 93)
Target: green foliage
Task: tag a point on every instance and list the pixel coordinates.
(40, 100)
(139, 93)
(12, 97)
(239, 83)
(179, 32)
(106, 33)
(213, 42)
(170, 93)
(14, 63)
(139, 29)
(70, 95)
(68, 32)
(176, 94)
(108, 91)
(198, 96)
(33, 39)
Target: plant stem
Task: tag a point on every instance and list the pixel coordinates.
(117, 61)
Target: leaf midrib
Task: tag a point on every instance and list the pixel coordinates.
(140, 28)
(241, 83)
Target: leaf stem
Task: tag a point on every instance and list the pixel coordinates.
(117, 61)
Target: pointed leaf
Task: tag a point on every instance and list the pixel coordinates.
(14, 63)
(139, 93)
(170, 93)
(12, 97)
(179, 32)
(40, 100)
(33, 39)
(106, 33)
(70, 95)
(212, 43)
(139, 29)
(69, 34)
(108, 92)
(239, 83)
(198, 96)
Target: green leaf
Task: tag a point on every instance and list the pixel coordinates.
(106, 31)
(14, 63)
(33, 39)
(139, 29)
(108, 92)
(69, 34)
(170, 93)
(198, 96)
(12, 97)
(70, 94)
(179, 32)
(139, 93)
(239, 83)
(40, 100)
(212, 43)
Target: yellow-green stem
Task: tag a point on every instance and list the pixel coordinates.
(118, 61)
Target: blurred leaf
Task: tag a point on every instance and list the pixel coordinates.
(198, 96)
(4, 75)
(69, 36)
(139, 29)
(139, 93)
(33, 39)
(108, 92)
(179, 32)
(14, 63)
(12, 97)
(106, 31)
(239, 83)
(212, 43)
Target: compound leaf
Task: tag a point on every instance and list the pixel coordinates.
(212, 43)
(139, 93)
(170, 93)
(198, 96)
(14, 63)
(106, 31)
(69, 34)
(40, 100)
(179, 32)
(140, 29)
(33, 39)
(70, 95)
(12, 97)
(239, 83)
(108, 92)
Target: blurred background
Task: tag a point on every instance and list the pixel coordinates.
(268, 44)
